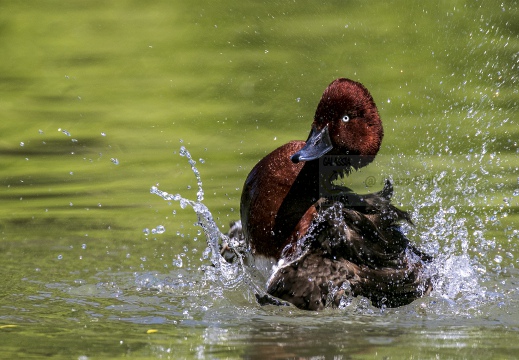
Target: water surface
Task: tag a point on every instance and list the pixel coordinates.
(97, 98)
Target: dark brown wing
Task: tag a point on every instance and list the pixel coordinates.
(356, 249)
(315, 280)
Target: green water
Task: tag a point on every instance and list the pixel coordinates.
(97, 97)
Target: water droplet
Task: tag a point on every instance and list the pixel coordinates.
(183, 203)
(516, 192)
(146, 231)
(60, 257)
(22, 143)
(498, 259)
(451, 210)
(115, 161)
(177, 262)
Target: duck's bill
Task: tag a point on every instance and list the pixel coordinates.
(317, 145)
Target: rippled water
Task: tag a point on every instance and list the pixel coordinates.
(96, 97)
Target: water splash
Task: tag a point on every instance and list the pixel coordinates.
(229, 273)
(457, 230)
(459, 275)
(200, 193)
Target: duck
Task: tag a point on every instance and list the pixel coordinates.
(320, 243)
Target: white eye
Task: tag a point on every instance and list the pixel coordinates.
(345, 118)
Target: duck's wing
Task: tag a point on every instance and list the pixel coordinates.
(364, 239)
(364, 227)
(315, 281)
(351, 251)
(378, 203)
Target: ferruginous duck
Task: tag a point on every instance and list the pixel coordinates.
(326, 242)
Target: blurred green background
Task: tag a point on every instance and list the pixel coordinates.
(97, 97)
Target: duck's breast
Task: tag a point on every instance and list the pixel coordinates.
(276, 196)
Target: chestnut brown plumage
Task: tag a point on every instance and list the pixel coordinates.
(345, 241)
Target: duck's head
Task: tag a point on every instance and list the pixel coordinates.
(346, 123)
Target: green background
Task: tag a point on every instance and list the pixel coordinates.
(97, 97)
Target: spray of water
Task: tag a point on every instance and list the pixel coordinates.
(455, 273)
(230, 274)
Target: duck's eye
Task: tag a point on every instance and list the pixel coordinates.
(345, 118)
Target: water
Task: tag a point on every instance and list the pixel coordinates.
(95, 98)
(228, 274)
